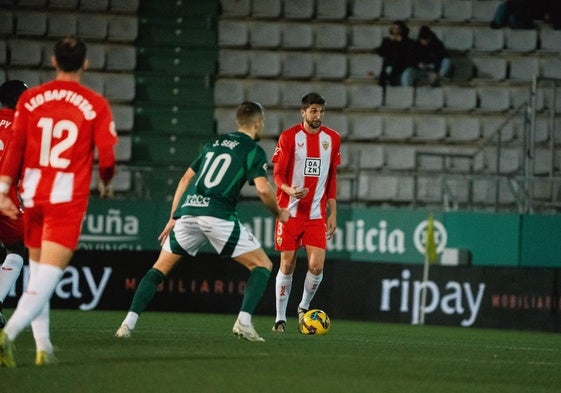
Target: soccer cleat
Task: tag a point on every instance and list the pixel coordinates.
(279, 327)
(3, 320)
(246, 331)
(123, 331)
(301, 312)
(6, 351)
(44, 358)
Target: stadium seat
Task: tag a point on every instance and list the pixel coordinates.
(233, 62)
(398, 127)
(225, 120)
(297, 36)
(365, 37)
(150, 116)
(297, 65)
(288, 118)
(122, 28)
(265, 92)
(62, 24)
(265, 35)
(399, 97)
(166, 149)
(524, 68)
(120, 57)
(3, 52)
(510, 160)
(29, 76)
(232, 33)
(457, 10)
(519, 40)
(550, 40)
(94, 80)
(369, 157)
(123, 116)
(366, 10)
(338, 121)
(123, 149)
(494, 98)
(490, 126)
(430, 128)
(330, 36)
(63, 4)
(119, 87)
(377, 188)
(229, 92)
(400, 157)
(427, 10)
(292, 93)
(265, 64)
(462, 68)
(365, 127)
(397, 9)
(6, 22)
(429, 98)
(235, 8)
(94, 5)
(485, 10)
(458, 38)
(330, 65)
(490, 67)
(364, 65)
(25, 52)
(458, 98)
(93, 26)
(266, 9)
(365, 96)
(551, 68)
(122, 181)
(488, 40)
(335, 93)
(298, 9)
(124, 6)
(331, 10)
(31, 23)
(463, 128)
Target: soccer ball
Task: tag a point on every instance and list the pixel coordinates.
(314, 322)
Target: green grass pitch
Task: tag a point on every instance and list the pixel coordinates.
(183, 352)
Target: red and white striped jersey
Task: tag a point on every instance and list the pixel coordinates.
(307, 160)
(56, 127)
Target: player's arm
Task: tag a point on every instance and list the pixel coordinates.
(280, 168)
(7, 206)
(106, 163)
(179, 191)
(267, 196)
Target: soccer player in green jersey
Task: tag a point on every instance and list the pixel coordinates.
(204, 209)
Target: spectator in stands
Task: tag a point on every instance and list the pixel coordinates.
(398, 52)
(433, 60)
(519, 14)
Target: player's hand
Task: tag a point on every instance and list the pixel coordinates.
(331, 226)
(296, 192)
(165, 233)
(8, 208)
(283, 215)
(105, 190)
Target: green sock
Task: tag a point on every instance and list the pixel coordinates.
(256, 285)
(146, 290)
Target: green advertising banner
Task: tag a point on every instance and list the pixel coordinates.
(395, 235)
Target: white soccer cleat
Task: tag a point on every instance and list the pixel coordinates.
(123, 331)
(246, 331)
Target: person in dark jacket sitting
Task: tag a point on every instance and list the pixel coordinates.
(398, 53)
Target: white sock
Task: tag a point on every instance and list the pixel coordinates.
(9, 273)
(38, 293)
(130, 320)
(245, 318)
(283, 285)
(311, 285)
(41, 324)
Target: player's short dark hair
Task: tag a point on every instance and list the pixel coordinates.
(311, 99)
(248, 111)
(10, 92)
(70, 53)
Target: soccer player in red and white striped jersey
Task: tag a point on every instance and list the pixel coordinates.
(56, 127)
(305, 173)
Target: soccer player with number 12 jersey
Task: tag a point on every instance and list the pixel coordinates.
(56, 127)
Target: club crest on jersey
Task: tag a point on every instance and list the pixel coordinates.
(312, 167)
(279, 241)
(325, 145)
